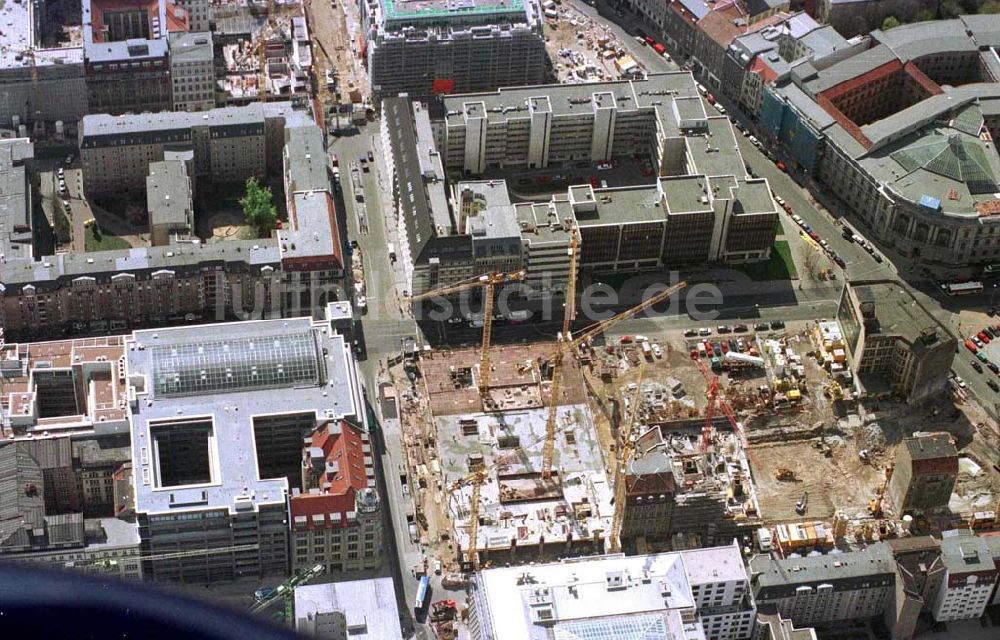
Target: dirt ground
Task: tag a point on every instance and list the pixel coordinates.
(514, 371)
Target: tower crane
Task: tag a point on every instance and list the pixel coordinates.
(286, 590)
(568, 344)
(716, 400)
(489, 282)
(624, 454)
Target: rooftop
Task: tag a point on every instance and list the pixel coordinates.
(966, 553)
(929, 446)
(896, 311)
(785, 574)
(168, 193)
(514, 501)
(15, 200)
(214, 375)
(400, 13)
(18, 36)
(369, 607)
(613, 596)
(191, 47)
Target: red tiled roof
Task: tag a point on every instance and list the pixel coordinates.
(337, 490)
(720, 24)
(178, 19)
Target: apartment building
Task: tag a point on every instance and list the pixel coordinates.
(827, 588)
(289, 274)
(335, 517)
(219, 416)
(919, 576)
(925, 472)
(200, 14)
(589, 596)
(969, 579)
(436, 47)
(192, 71)
(95, 460)
(771, 626)
(16, 237)
(894, 345)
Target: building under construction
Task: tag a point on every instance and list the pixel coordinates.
(520, 512)
(679, 493)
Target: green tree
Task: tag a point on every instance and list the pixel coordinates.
(258, 208)
(890, 22)
(924, 15)
(949, 9)
(992, 6)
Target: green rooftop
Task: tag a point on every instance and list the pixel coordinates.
(953, 156)
(404, 12)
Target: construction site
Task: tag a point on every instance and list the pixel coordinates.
(699, 438)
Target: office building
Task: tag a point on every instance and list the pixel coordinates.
(925, 472)
(335, 516)
(192, 71)
(359, 610)
(970, 577)
(894, 344)
(219, 415)
(437, 47)
(825, 589)
(109, 547)
(291, 273)
(669, 595)
(200, 13)
(703, 207)
(921, 169)
(41, 71)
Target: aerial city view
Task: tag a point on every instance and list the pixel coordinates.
(500, 319)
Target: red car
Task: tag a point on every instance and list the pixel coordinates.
(650, 40)
(814, 236)
(985, 337)
(781, 166)
(710, 98)
(787, 207)
(971, 346)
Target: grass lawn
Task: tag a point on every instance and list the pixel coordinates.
(779, 267)
(780, 231)
(103, 242)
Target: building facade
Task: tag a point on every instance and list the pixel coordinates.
(293, 272)
(969, 580)
(827, 588)
(435, 48)
(335, 518)
(924, 474)
(192, 71)
(895, 346)
(218, 419)
(586, 596)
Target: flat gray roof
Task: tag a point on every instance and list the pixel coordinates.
(919, 39)
(15, 200)
(369, 607)
(496, 219)
(235, 483)
(191, 47)
(895, 309)
(788, 573)
(168, 192)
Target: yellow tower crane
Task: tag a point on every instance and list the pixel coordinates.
(624, 454)
(489, 283)
(568, 344)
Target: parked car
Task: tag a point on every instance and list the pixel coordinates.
(992, 366)
(777, 324)
(740, 328)
(690, 333)
(704, 331)
(978, 367)
(761, 326)
(604, 166)
(781, 167)
(723, 328)
(993, 385)
(982, 336)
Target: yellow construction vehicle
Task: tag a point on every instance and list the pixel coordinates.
(875, 504)
(489, 283)
(784, 474)
(568, 344)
